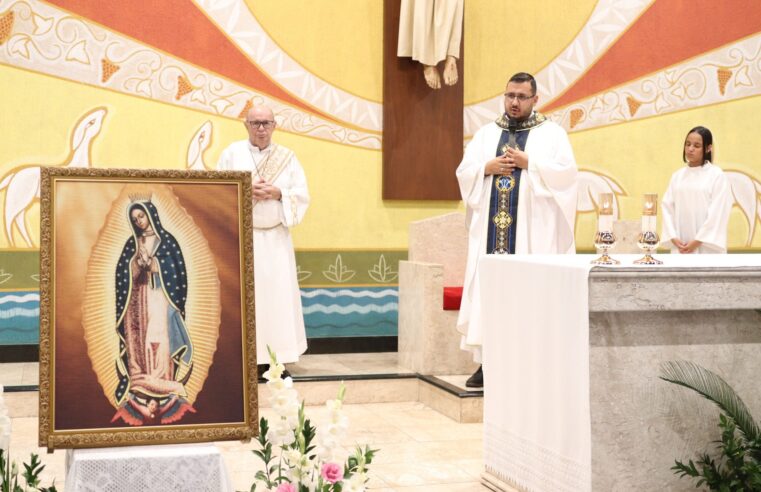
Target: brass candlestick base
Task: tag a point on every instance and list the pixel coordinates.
(648, 242)
(605, 259)
(648, 260)
(604, 240)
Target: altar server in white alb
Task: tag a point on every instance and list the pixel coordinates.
(280, 199)
(518, 182)
(698, 201)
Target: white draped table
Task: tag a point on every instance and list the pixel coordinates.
(571, 356)
(165, 468)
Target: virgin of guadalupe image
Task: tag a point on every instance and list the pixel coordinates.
(155, 350)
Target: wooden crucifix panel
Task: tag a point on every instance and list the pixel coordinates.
(422, 127)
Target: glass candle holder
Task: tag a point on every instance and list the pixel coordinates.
(604, 237)
(648, 238)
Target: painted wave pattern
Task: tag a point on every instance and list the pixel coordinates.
(344, 312)
(350, 312)
(19, 318)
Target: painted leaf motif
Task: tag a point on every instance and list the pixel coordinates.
(337, 272)
(381, 272)
(302, 275)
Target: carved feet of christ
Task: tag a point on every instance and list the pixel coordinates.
(450, 70)
(432, 77)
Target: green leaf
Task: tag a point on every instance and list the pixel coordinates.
(711, 386)
(685, 470)
(309, 433)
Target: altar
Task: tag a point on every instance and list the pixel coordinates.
(572, 355)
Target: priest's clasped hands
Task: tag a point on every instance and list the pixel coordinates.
(507, 162)
(263, 190)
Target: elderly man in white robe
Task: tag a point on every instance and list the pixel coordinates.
(281, 199)
(518, 182)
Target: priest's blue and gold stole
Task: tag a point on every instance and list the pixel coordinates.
(503, 202)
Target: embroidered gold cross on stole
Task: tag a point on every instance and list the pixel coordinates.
(502, 219)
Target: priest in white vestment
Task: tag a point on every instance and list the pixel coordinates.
(698, 201)
(518, 182)
(280, 199)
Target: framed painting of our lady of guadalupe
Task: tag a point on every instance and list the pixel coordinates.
(146, 307)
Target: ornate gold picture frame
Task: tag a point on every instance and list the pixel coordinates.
(146, 307)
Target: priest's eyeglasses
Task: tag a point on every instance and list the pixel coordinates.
(518, 97)
(266, 124)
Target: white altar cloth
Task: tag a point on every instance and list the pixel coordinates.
(165, 468)
(535, 311)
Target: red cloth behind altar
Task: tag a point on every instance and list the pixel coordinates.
(452, 298)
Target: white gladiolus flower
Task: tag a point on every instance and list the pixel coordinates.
(292, 456)
(288, 411)
(274, 372)
(338, 417)
(356, 483)
(334, 405)
(281, 433)
(280, 384)
(337, 430)
(283, 398)
(285, 404)
(330, 436)
(300, 465)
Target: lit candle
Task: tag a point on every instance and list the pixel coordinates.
(649, 212)
(605, 213)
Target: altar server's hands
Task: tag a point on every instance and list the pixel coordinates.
(690, 247)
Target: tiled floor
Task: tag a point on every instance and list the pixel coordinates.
(19, 374)
(420, 449)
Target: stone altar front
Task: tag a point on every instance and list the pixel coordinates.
(702, 309)
(639, 319)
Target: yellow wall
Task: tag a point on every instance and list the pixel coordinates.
(341, 42)
(347, 211)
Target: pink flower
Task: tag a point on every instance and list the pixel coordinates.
(331, 472)
(286, 487)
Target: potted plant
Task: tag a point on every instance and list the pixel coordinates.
(737, 464)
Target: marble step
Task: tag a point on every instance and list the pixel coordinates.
(445, 394)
